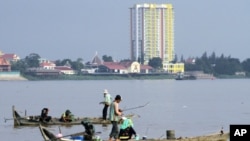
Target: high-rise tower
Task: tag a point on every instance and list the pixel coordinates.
(152, 32)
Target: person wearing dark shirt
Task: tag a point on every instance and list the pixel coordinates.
(44, 115)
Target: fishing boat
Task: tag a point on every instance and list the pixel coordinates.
(88, 134)
(35, 120)
(48, 136)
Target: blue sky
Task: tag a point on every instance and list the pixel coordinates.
(59, 29)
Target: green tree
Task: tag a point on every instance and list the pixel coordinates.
(58, 63)
(175, 60)
(125, 60)
(106, 58)
(32, 60)
(66, 62)
(155, 62)
(246, 65)
(20, 65)
(227, 65)
(182, 59)
(77, 65)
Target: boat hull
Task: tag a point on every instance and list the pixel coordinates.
(48, 136)
(34, 120)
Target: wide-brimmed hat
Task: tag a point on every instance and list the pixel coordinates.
(105, 91)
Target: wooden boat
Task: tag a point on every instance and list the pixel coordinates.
(88, 134)
(48, 136)
(35, 120)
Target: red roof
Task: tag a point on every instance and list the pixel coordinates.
(4, 62)
(63, 68)
(145, 67)
(113, 65)
(126, 64)
(46, 64)
(9, 56)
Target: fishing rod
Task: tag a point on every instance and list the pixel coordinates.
(25, 117)
(132, 108)
(6, 119)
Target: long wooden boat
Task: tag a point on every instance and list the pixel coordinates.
(48, 136)
(88, 134)
(35, 120)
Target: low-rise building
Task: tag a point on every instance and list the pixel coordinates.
(41, 72)
(125, 67)
(145, 69)
(175, 68)
(65, 70)
(114, 67)
(4, 65)
(11, 57)
(48, 65)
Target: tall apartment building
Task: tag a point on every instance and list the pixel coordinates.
(152, 33)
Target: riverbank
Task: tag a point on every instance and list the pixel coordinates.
(213, 137)
(19, 78)
(105, 76)
(11, 76)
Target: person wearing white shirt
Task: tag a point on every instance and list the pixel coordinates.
(106, 103)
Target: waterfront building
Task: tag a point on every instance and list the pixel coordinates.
(4, 65)
(11, 57)
(152, 34)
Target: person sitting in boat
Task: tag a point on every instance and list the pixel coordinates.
(67, 116)
(89, 129)
(126, 129)
(44, 115)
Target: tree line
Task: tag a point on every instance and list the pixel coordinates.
(216, 65)
(32, 61)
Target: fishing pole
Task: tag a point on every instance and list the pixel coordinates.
(6, 119)
(26, 117)
(132, 108)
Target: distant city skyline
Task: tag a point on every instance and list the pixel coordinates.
(61, 29)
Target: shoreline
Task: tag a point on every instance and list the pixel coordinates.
(13, 78)
(212, 137)
(105, 77)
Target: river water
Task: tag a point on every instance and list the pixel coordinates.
(189, 107)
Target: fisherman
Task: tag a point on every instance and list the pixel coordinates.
(126, 129)
(67, 116)
(106, 103)
(114, 113)
(89, 129)
(44, 115)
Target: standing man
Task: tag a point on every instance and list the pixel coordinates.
(106, 103)
(114, 114)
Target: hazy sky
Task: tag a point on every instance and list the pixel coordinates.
(59, 29)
